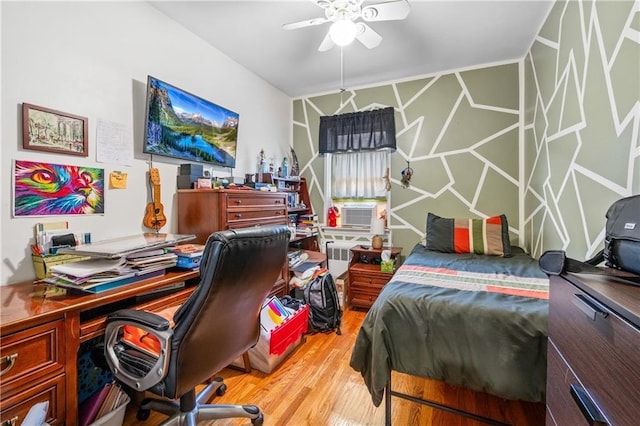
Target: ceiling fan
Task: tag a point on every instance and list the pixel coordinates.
(344, 13)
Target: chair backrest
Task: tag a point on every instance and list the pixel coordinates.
(221, 319)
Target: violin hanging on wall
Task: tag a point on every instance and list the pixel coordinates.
(154, 217)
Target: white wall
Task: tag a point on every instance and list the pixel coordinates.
(92, 59)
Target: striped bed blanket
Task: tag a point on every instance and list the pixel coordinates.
(468, 320)
(494, 282)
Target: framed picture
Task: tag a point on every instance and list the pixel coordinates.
(45, 129)
(46, 189)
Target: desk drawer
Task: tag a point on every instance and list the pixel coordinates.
(30, 355)
(95, 327)
(13, 410)
(602, 349)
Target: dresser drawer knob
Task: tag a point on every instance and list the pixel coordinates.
(590, 307)
(587, 406)
(11, 422)
(238, 215)
(238, 201)
(10, 359)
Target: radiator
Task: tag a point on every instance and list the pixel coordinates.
(338, 256)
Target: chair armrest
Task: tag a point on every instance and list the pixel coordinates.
(137, 317)
(148, 370)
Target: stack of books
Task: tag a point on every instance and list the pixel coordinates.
(104, 401)
(307, 225)
(296, 257)
(189, 255)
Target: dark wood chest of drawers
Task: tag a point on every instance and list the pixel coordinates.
(593, 370)
(204, 211)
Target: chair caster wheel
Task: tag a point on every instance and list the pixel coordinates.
(221, 390)
(143, 414)
(258, 420)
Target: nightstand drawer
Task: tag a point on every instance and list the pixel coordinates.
(362, 299)
(30, 355)
(602, 349)
(369, 281)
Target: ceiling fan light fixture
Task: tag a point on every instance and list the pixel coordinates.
(343, 32)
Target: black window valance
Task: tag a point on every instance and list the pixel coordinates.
(358, 131)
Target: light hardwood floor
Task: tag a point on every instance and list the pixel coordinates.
(316, 386)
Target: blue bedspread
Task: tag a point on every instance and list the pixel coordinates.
(488, 341)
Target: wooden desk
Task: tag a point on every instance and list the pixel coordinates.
(41, 328)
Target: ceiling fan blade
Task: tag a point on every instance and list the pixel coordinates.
(322, 3)
(307, 23)
(367, 36)
(326, 44)
(387, 11)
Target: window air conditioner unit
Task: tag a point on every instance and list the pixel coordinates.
(357, 215)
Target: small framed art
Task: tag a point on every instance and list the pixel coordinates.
(45, 129)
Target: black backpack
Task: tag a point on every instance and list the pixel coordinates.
(621, 251)
(622, 241)
(324, 307)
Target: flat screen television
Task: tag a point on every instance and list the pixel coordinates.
(182, 125)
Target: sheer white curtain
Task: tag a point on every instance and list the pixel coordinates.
(359, 174)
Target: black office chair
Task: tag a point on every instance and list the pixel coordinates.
(218, 323)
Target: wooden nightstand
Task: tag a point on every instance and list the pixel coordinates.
(365, 277)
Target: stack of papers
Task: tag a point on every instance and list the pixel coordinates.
(98, 274)
(151, 260)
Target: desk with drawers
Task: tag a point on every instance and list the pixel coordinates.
(42, 327)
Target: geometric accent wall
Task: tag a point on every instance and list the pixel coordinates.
(581, 123)
(459, 132)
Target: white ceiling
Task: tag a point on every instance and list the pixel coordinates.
(437, 36)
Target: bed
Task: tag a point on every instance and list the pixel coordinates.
(476, 321)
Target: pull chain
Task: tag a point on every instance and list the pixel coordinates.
(342, 89)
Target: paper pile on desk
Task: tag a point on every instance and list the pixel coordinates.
(89, 275)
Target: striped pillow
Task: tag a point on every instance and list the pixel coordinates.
(480, 236)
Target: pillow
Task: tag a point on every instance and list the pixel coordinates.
(480, 236)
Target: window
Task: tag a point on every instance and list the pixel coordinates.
(358, 175)
(357, 147)
(356, 180)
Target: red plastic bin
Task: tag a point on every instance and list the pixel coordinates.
(289, 331)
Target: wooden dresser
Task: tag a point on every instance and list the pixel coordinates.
(593, 368)
(204, 211)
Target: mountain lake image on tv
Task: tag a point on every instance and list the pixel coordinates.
(182, 125)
